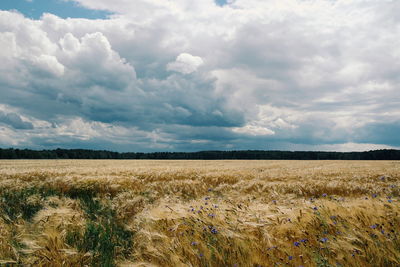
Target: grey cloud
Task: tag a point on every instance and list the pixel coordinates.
(381, 133)
(15, 121)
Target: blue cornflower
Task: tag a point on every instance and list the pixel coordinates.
(324, 240)
(214, 231)
(303, 240)
(390, 201)
(297, 244)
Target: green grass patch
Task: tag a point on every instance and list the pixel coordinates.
(104, 235)
(24, 203)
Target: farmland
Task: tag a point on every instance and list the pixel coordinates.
(199, 213)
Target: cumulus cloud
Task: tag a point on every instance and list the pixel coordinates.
(206, 75)
(185, 63)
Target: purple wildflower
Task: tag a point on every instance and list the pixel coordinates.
(297, 244)
(194, 243)
(324, 195)
(290, 258)
(324, 240)
(374, 195)
(390, 201)
(374, 226)
(212, 215)
(315, 208)
(214, 231)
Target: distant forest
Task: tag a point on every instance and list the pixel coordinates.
(384, 154)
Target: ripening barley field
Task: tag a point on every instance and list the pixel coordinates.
(199, 213)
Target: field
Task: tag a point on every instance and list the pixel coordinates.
(200, 213)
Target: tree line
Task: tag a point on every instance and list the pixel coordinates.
(383, 154)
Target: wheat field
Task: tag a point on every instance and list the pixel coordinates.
(199, 213)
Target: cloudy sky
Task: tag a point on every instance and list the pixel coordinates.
(188, 75)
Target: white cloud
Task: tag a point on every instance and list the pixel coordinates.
(185, 63)
(48, 64)
(253, 130)
(354, 147)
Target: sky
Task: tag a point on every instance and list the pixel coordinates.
(186, 75)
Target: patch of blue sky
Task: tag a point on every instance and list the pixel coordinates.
(221, 2)
(65, 9)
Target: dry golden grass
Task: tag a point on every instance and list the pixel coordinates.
(200, 213)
